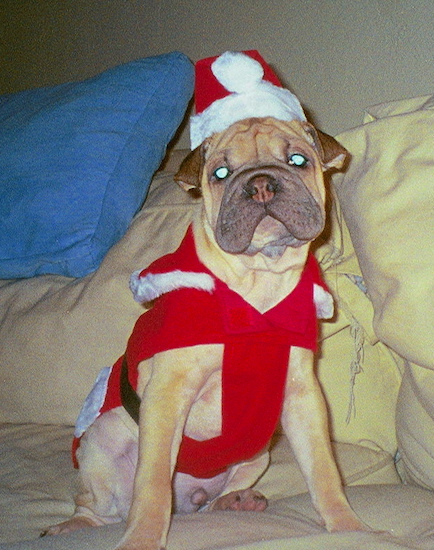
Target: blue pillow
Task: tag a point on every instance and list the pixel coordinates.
(76, 161)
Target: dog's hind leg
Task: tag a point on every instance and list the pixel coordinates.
(107, 458)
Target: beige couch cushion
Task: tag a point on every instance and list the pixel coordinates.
(58, 333)
(38, 482)
(360, 376)
(387, 197)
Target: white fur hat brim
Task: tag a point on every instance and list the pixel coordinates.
(251, 97)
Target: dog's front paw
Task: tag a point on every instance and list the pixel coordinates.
(345, 521)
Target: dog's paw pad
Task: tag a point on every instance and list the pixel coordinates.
(247, 500)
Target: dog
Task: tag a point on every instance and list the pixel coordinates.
(247, 253)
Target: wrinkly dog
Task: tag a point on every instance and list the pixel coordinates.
(227, 348)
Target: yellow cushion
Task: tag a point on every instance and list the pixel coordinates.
(387, 198)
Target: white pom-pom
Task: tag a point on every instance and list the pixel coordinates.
(237, 72)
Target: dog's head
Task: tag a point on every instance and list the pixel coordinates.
(262, 184)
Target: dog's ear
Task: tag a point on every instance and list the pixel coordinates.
(189, 175)
(331, 152)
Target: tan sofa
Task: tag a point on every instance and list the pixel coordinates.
(375, 363)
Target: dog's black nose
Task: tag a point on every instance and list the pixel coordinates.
(261, 188)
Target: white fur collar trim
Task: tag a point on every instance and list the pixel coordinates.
(151, 286)
(323, 302)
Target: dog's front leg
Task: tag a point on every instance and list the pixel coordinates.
(173, 381)
(305, 422)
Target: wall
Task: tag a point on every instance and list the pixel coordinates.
(338, 56)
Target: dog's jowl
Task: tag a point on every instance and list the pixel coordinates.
(226, 351)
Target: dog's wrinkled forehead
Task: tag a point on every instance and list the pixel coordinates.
(253, 143)
(253, 138)
(253, 132)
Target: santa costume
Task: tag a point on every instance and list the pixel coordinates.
(191, 306)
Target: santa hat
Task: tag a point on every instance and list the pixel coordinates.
(235, 86)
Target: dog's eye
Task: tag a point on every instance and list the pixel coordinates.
(298, 160)
(221, 173)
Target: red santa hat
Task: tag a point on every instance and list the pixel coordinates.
(235, 86)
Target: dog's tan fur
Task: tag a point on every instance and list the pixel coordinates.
(186, 397)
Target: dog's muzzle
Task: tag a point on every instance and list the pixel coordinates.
(255, 193)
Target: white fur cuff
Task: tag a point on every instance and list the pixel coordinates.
(150, 287)
(323, 302)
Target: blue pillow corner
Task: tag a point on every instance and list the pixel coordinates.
(76, 161)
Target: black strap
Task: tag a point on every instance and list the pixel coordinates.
(129, 398)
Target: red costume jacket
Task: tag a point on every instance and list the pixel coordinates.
(256, 349)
